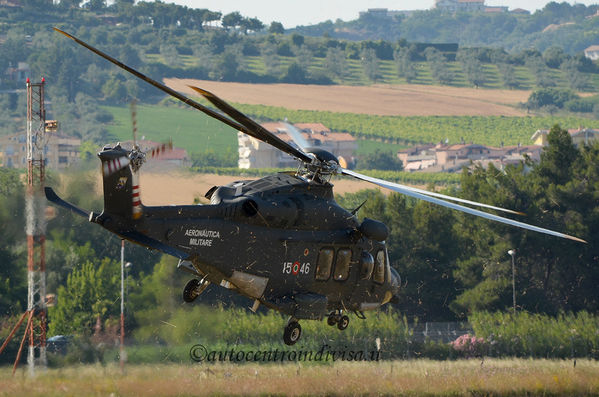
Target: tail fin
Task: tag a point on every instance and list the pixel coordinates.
(121, 184)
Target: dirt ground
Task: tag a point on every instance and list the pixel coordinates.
(180, 187)
(388, 100)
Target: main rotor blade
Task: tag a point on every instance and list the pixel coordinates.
(410, 192)
(260, 132)
(390, 185)
(296, 135)
(461, 200)
(158, 85)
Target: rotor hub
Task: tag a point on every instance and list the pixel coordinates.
(137, 158)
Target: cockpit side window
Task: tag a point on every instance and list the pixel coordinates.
(324, 264)
(342, 264)
(366, 265)
(379, 267)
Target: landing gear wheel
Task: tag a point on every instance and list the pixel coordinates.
(190, 291)
(343, 323)
(293, 332)
(332, 319)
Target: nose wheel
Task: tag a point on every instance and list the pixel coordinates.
(338, 318)
(292, 333)
(194, 288)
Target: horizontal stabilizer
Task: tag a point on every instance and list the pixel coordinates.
(53, 197)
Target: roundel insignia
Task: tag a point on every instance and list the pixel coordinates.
(306, 252)
(296, 268)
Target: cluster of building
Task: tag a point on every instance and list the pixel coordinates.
(429, 157)
(448, 6)
(454, 6)
(18, 73)
(452, 158)
(62, 151)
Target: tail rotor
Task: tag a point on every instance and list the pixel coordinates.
(120, 168)
(136, 157)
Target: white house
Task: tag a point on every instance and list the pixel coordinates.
(257, 154)
(592, 52)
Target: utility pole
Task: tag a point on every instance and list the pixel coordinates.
(512, 253)
(122, 352)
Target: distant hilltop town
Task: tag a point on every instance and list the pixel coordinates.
(449, 6)
(467, 6)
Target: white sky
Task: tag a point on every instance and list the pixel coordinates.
(307, 12)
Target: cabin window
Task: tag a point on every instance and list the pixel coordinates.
(324, 263)
(342, 264)
(366, 265)
(379, 268)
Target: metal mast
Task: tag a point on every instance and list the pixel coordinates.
(36, 226)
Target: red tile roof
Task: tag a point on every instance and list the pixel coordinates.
(319, 132)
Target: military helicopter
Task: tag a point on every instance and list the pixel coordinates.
(282, 240)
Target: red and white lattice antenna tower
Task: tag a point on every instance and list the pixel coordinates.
(35, 228)
(36, 225)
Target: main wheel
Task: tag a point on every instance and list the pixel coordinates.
(343, 323)
(189, 292)
(332, 319)
(293, 332)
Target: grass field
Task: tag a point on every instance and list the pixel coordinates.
(414, 377)
(188, 128)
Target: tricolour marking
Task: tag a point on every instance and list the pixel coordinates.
(135, 198)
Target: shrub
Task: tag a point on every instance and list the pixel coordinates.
(469, 345)
(582, 105)
(550, 96)
(538, 335)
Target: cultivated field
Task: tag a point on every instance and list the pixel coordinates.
(387, 100)
(415, 377)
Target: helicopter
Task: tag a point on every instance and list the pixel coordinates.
(281, 241)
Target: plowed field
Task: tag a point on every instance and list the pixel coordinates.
(388, 100)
